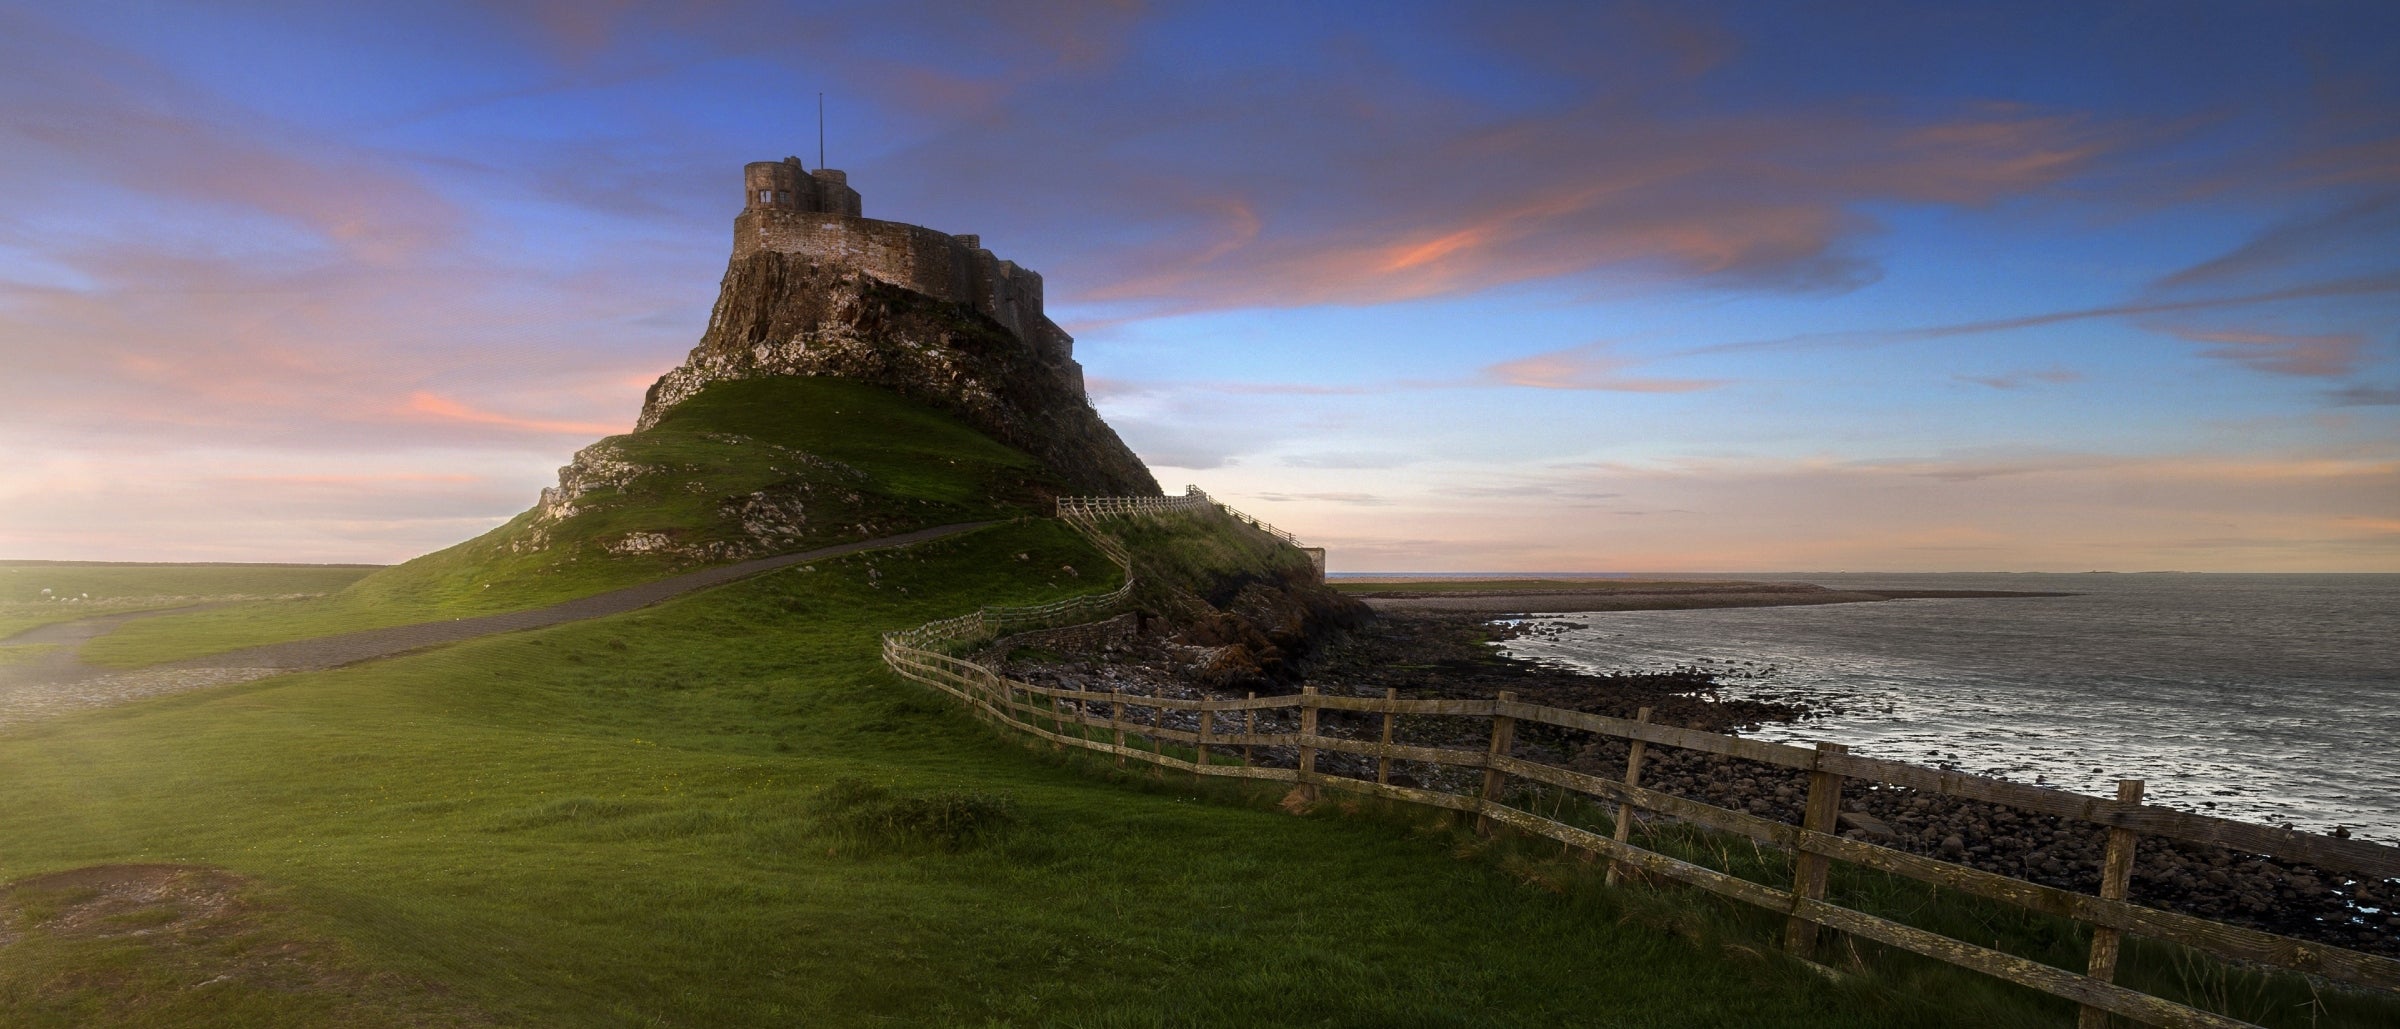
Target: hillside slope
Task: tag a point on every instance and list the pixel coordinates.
(738, 470)
(783, 314)
(722, 812)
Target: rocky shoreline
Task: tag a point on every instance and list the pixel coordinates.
(1428, 654)
(1563, 596)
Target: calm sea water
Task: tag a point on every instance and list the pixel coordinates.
(2271, 698)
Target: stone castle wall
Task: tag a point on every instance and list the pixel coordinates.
(817, 215)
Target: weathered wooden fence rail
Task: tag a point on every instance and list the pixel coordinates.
(1087, 508)
(1106, 722)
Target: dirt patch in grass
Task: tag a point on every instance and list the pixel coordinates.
(141, 945)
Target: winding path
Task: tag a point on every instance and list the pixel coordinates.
(58, 681)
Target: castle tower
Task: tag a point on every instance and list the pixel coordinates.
(788, 209)
(786, 186)
(777, 184)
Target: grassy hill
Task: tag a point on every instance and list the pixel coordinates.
(743, 469)
(723, 811)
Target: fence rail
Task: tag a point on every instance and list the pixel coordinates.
(1070, 718)
(1072, 508)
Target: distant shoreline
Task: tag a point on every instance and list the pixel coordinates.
(1555, 596)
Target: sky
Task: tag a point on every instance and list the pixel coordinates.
(1440, 287)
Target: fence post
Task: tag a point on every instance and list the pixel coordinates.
(1116, 722)
(1383, 762)
(1200, 753)
(1308, 732)
(1158, 743)
(2116, 878)
(1249, 727)
(1633, 777)
(1504, 739)
(1808, 870)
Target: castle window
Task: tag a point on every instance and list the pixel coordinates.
(766, 195)
(783, 196)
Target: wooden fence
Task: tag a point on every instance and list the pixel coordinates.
(1088, 508)
(1224, 736)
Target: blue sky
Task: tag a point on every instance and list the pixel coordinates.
(1633, 287)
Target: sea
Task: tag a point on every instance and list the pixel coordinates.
(2266, 698)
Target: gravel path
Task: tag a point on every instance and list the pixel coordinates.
(58, 681)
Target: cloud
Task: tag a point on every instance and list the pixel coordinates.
(1376, 180)
(2365, 227)
(336, 481)
(2005, 508)
(2353, 286)
(921, 57)
(2329, 355)
(1276, 389)
(1365, 499)
(127, 127)
(1527, 489)
(1593, 366)
(1349, 459)
(441, 407)
(257, 504)
(2364, 396)
(2054, 375)
(1976, 468)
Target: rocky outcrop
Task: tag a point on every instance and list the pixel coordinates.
(778, 517)
(785, 314)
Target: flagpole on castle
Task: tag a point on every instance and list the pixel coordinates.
(820, 130)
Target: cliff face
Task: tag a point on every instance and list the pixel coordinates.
(783, 314)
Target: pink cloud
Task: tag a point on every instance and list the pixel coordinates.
(2031, 510)
(2329, 355)
(1375, 185)
(444, 408)
(127, 125)
(1592, 366)
(350, 481)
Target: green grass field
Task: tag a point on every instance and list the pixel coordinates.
(723, 811)
(81, 589)
(654, 819)
(624, 822)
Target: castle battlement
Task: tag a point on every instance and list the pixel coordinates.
(790, 210)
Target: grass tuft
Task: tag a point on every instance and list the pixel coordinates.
(948, 820)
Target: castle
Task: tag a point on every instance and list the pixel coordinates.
(788, 209)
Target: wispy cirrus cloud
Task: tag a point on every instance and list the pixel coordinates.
(126, 126)
(2365, 396)
(1336, 497)
(2363, 228)
(428, 404)
(1593, 366)
(2368, 285)
(1374, 181)
(2325, 355)
(1349, 459)
(1546, 490)
(1767, 203)
(2052, 376)
(2001, 508)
